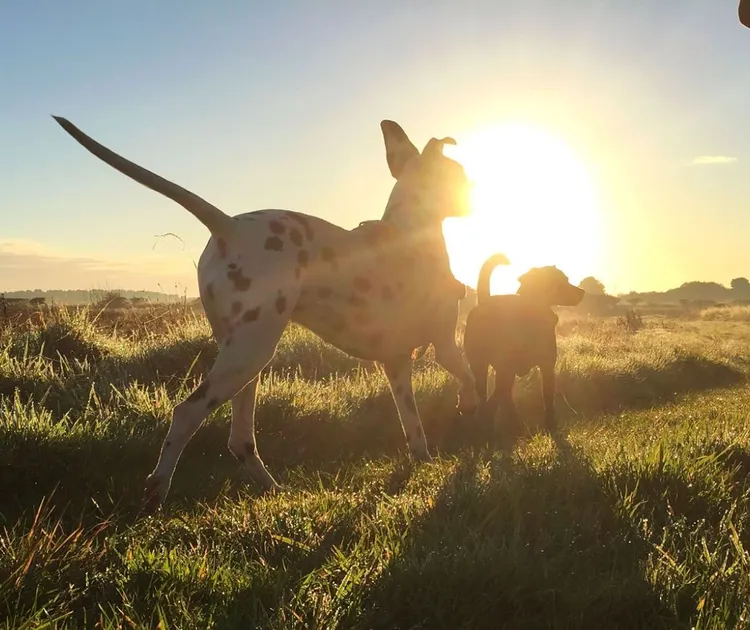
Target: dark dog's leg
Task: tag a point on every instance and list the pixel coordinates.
(502, 397)
(479, 369)
(483, 418)
(548, 393)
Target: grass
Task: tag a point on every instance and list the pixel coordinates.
(635, 517)
(738, 313)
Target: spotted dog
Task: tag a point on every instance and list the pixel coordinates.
(514, 333)
(372, 292)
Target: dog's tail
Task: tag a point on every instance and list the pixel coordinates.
(483, 283)
(214, 219)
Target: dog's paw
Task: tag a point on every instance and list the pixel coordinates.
(154, 492)
(421, 455)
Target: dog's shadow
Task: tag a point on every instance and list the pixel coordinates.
(80, 470)
(521, 544)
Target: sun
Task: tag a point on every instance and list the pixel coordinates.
(533, 200)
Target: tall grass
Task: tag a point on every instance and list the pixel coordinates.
(635, 517)
(727, 313)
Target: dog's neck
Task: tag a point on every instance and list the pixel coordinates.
(406, 212)
(536, 301)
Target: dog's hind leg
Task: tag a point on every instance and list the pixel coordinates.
(398, 373)
(242, 436)
(502, 397)
(240, 360)
(548, 394)
(479, 370)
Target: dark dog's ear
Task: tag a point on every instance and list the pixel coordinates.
(398, 148)
(529, 279)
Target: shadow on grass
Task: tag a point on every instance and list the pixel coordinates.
(108, 470)
(538, 543)
(511, 545)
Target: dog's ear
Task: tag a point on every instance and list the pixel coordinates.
(530, 283)
(398, 148)
(526, 277)
(435, 146)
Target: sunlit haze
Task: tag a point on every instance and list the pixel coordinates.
(534, 200)
(607, 138)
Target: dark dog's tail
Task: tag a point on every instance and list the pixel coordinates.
(483, 284)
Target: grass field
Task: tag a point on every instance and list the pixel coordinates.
(636, 517)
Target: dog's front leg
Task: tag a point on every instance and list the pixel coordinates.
(398, 373)
(449, 356)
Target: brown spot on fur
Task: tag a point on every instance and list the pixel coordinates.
(387, 293)
(241, 283)
(274, 243)
(210, 291)
(325, 292)
(303, 258)
(356, 300)
(236, 308)
(280, 304)
(376, 339)
(362, 284)
(277, 227)
(295, 236)
(251, 315)
(303, 222)
(232, 266)
(327, 255)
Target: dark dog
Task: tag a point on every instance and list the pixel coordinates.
(514, 333)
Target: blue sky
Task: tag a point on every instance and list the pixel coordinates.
(256, 105)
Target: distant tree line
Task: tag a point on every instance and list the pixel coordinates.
(83, 296)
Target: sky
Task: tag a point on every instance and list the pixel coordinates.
(256, 105)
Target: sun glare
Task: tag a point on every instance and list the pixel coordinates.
(533, 200)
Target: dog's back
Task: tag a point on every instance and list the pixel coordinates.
(510, 333)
